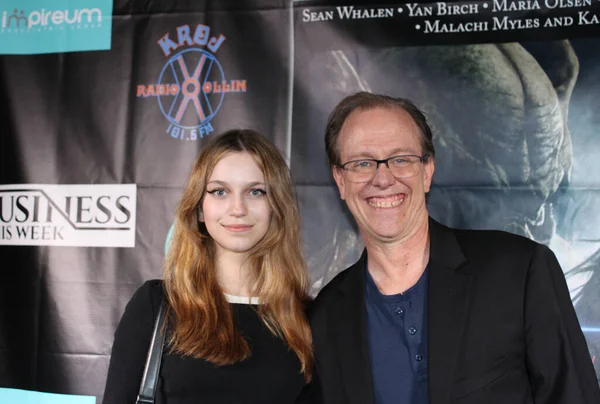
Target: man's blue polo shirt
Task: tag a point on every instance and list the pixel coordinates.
(397, 333)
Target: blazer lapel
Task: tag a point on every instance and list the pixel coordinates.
(449, 291)
(348, 317)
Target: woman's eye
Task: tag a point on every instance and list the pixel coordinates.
(257, 192)
(217, 192)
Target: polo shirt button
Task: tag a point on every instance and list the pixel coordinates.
(412, 330)
(399, 311)
(418, 357)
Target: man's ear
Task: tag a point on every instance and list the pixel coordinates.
(339, 180)
(428, 169)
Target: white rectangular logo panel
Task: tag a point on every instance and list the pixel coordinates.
(68, 215)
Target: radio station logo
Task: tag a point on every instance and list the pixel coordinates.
(192, 84)
(68, 215)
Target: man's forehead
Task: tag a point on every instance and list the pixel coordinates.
(370, 119)
(390, 127)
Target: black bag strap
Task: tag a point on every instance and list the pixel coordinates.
(152, 369)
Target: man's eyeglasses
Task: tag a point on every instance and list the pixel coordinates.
(364, 170)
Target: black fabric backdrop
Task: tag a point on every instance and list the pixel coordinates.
(514, 113)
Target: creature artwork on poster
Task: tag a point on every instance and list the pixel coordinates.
(513, 128)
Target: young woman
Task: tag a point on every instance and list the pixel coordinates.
(235, 286)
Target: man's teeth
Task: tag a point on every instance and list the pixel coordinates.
(386, 204)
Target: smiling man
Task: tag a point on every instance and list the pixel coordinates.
(431, 314)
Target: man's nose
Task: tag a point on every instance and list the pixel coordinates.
(383, 176)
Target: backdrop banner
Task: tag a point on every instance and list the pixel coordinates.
(98, 144)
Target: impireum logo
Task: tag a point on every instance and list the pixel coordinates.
(68, 215)
(50, 26)
(192, 84)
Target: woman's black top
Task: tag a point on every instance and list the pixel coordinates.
(271, 375)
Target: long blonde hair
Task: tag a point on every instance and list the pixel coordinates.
(202, 324)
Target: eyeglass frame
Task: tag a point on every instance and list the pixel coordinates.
(422, 159)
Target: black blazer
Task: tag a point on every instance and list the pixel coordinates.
(502, 329)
